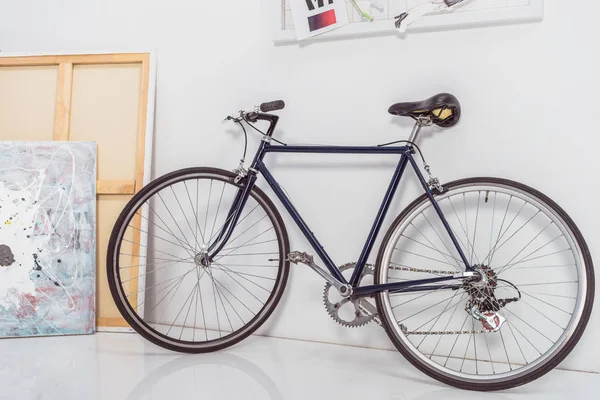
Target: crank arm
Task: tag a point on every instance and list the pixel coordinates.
(306, 259)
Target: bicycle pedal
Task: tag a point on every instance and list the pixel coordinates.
(297, 257)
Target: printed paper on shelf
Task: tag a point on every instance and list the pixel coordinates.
(314, 17)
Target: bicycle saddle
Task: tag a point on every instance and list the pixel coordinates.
(443, 109)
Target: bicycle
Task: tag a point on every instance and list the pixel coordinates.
(482, 283)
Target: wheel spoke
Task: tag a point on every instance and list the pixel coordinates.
(426, 257)
(197, 245)
(469, 246)
(229, 219)
(189, 298)
(184, 239)
(218, 208)
(526, 258)
(224, 268)
(505, 350)
(489, 353)
(437, 318)
(245, 243)
(151, 272)
(517, 342)
(184, 244)
(531, 241)
(449, 257)
(235, 297)
(456, 341)
(416, 298)
(202, 309)
(446, 255)
(524, 337)
(491, 252)
(493, 217)
(207, 207)
(220, 299)
(176, 288)
(243, 287)
(158, 251)
(426, 309)
(161, 283)
(153, 235)
(195, 211)
(475, 231)
(517, 231)
(529, 325)
(447, 324)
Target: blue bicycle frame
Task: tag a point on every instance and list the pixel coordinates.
(406, 157)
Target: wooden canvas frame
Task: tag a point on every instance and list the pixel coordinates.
(145, 128)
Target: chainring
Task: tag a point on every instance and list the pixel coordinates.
(333, 308)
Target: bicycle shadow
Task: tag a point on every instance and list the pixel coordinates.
(145, 387)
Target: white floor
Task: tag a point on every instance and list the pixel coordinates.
(123, 366)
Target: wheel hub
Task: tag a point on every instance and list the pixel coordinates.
(483, 304)
(202, 259)
(482, 289)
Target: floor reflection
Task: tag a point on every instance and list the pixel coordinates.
(221, 374)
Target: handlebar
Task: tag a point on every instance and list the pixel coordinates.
(252, 113)
(272, 106)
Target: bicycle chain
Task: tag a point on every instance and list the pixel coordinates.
(425, 271)
(433, 333)
(439, 333)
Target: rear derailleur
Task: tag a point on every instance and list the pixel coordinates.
(483, 304)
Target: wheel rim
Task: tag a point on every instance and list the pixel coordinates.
(518, 267)
(169, 295)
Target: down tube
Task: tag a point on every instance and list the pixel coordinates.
(300, 222)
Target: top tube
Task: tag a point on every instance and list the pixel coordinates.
(319, 149)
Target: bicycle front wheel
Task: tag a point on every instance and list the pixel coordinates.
(158, 271)
(525, 312)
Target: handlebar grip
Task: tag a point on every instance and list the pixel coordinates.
(272, 106)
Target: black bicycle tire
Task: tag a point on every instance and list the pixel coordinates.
(125, 309)
(556, 358)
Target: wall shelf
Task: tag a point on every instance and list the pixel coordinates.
(476, 13)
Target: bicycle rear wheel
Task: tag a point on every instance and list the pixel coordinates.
(157, 271)
(537, 277)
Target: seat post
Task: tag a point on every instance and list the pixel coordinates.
(415, 132)
(421, 122)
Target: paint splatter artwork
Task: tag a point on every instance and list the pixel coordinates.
(47, 238)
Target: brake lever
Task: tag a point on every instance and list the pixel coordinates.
(244, 115)
(234, 118)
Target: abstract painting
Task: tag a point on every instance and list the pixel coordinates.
(47, 238)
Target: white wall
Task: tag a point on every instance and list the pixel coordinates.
(529, 95)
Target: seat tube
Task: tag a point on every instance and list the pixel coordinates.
(385, 205)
